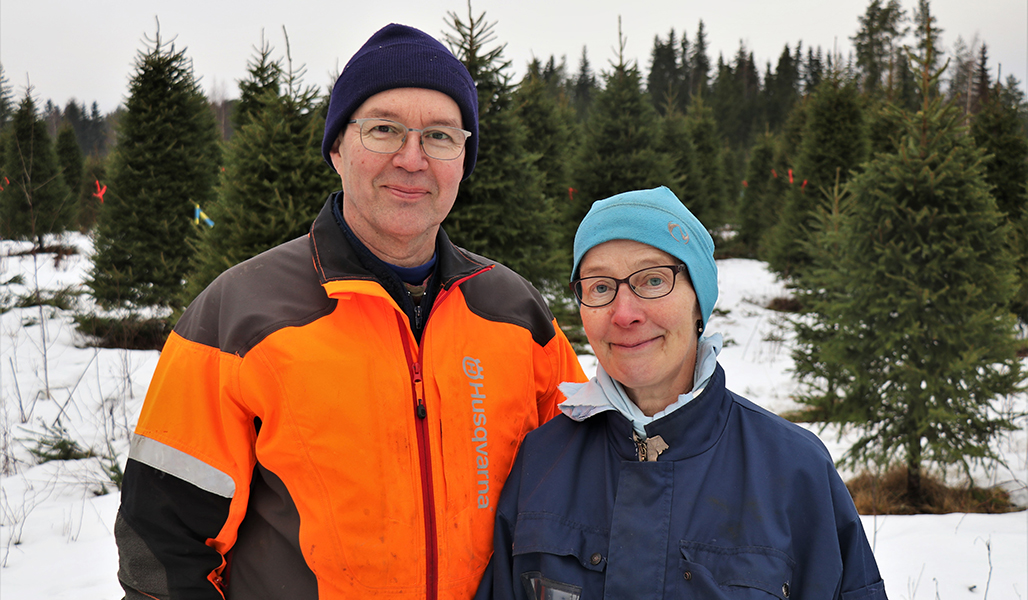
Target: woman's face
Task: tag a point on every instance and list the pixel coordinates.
(649, 346)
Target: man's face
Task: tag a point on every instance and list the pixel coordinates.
(395, 202)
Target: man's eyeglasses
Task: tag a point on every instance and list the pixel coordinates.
(649, 283)
(383, 136)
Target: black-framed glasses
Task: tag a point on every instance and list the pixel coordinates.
(649, 284)
(383, 136)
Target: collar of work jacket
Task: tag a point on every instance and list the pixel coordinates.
(689, 431)
(341, 270)
(603, 393)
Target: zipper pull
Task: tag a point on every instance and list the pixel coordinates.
(640, 446)
(650, 448)
(420, 409)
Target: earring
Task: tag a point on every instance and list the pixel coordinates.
(699, 327)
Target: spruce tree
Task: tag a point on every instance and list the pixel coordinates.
(699, 64)
(96, 130)
(759, 206)
(781, 90)
(996, 129)
(908, 339)
(884, 125)
(6, 100)
(961, 72)
(727, 101)
(675, 141)
(36, 200)
(94, 180)
(618, 153)
(1013, 96)
(881, 27)
(166, 161)
(813, 69)
(834, 137)
(70, 160)
(927, 35)
(710, 206)
(502, 211)
(584, 88)
(263, 78)
(551, 142)
(685, 88)
(554, 76)
(664, 80)
(274, 181)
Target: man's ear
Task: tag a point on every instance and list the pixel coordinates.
(336, 156)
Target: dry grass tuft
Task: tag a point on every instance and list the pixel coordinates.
(785, 304)
(887, 495)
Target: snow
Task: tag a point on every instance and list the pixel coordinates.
(57, 518)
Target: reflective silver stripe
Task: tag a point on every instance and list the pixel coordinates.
(175, 462)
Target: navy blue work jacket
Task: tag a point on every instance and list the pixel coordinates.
(742, 505)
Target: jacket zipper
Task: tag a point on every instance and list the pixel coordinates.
(424, 449)
(425, 460)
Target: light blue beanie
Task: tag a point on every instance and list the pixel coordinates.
(658, 218)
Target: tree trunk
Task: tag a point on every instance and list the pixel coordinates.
(915, 494)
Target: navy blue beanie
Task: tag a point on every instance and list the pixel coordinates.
(398, 56)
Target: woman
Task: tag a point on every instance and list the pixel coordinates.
(657, 482)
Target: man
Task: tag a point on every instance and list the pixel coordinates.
(335, 417)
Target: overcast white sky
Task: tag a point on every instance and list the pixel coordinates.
(85, 49)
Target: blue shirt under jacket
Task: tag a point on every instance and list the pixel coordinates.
(742, 504)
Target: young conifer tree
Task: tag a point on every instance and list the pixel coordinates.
(664, 81)
(909, 339)
(166, 162)
(711, 206)
(36, 200)
(759, 207)
(997, 130)
(502, 211)
(6, 99)
(551, 121)
(70, 160)
(94, 179)
(619, 150)
(275, 180)
(263, 76)
(834, 141)
(674, 140)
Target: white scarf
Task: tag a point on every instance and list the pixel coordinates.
(602, 393)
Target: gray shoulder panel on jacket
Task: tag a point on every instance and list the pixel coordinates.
(502, 295)
(276, 289)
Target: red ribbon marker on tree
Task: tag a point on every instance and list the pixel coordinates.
(99, 193)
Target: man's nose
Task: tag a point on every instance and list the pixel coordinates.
(411, 156)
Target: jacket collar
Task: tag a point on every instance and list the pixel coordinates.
(336, 259)
(689, 431)
(603, 393)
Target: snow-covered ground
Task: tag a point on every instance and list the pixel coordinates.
(57, 518)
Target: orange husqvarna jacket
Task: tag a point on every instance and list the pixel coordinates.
(298, 441)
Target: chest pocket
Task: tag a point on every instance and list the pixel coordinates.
(737, 567)
(548, 534)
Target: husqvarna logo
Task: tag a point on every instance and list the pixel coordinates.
(480, 435)
(678, 232)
